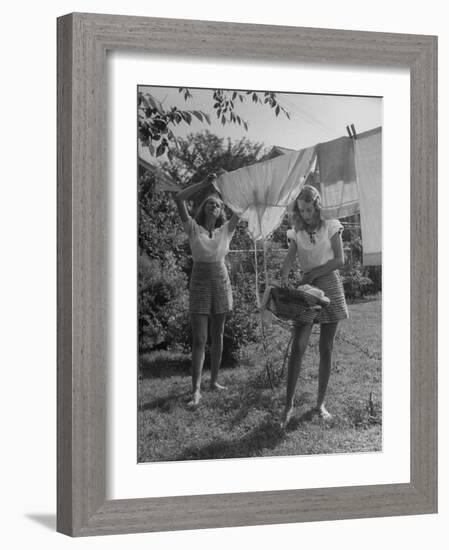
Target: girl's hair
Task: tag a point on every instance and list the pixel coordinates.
(200, 216)
(307, 194)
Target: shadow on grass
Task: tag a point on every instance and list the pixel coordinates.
(164, 404)
(163, 364)
(246, 402)
(265, 436)
(308, 416)
(305, 417)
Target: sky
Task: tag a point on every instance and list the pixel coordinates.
(313, 118)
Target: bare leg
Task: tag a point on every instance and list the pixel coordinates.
(216, 335)
(327, 337)
(199, 339)
(301, 337)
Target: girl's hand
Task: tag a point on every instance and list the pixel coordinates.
(284, 281)
(214, 176)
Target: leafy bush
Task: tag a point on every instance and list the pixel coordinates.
(241, 326)
(374, 272)
(162, 283)
(355, 284)
(353, 246)
(163, 304)
(159, 226)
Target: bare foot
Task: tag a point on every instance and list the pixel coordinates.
(195, 399)
(287, 417)
(215, 386)
(323, 413)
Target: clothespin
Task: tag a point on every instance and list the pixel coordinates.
(351, 131)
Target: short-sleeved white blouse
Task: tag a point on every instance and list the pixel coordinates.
(315, 250)
(205, 248)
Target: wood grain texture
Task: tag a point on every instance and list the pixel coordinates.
(64, 278)
(83, 40)
(423, 271)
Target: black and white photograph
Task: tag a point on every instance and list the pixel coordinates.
(259, 273)
(220, 295)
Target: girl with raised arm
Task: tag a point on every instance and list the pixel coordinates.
(210, 298)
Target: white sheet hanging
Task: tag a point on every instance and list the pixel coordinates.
(261, 192)
(368, 161)
(339, 193)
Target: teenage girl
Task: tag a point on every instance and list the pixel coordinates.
(317, 244)
(210, 288)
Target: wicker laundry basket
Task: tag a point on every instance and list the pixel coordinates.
(292, 304)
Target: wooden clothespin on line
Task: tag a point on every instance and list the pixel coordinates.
(351, 131)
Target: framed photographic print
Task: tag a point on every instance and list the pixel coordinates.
(189, 394)
(245, 361)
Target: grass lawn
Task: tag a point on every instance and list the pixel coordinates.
(243, 421)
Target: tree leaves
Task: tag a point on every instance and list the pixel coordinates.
(159, 124)
(198, 115)
(186, 92)
(155, 123)
(186, 116)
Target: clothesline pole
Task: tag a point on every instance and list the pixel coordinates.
(257, 274)
(265, 262)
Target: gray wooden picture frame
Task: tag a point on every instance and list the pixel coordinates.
(83, 40)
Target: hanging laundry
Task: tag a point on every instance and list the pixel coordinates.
(261, 192)
(368, 162)
(336, 165)
(350, 174)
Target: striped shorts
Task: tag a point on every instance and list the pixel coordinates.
(337, 310)
(210, 289)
